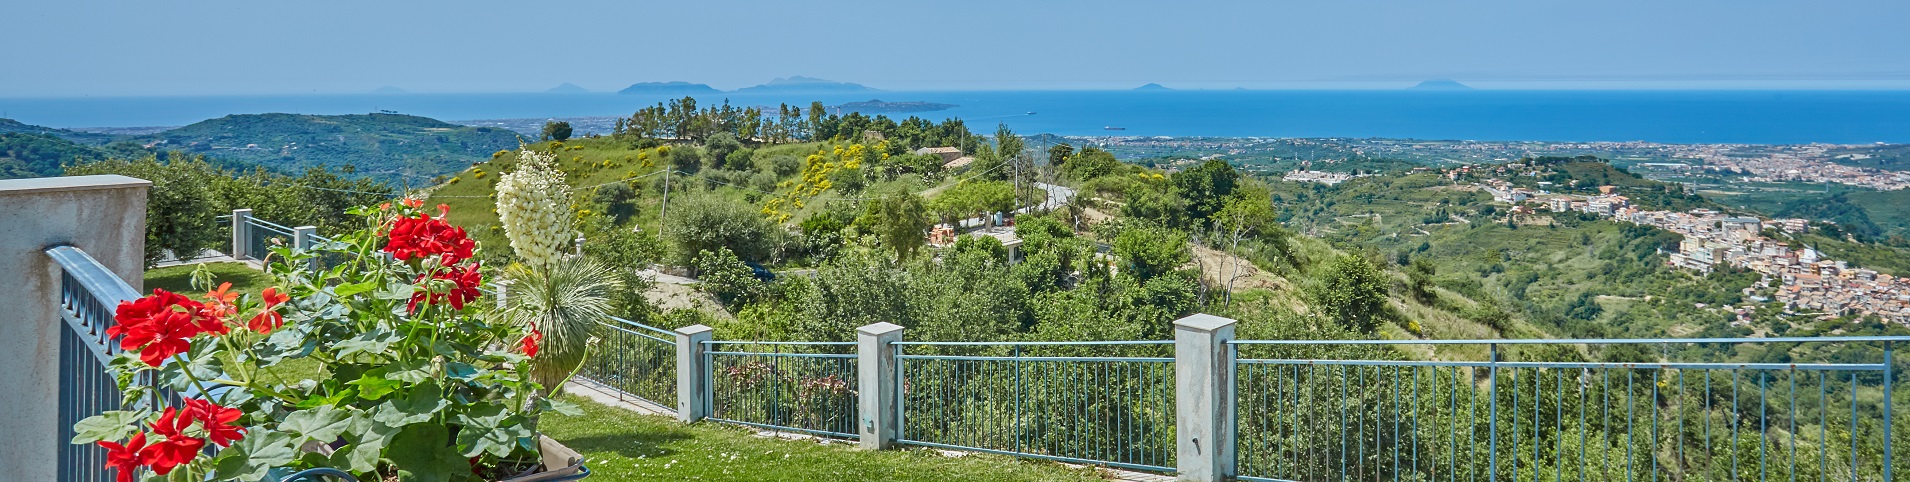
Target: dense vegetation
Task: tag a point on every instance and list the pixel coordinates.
(189, 192)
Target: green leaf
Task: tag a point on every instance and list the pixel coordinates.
(395, 291)
(417, 405)
(490, 428)
(114, 425)
(559, 406)
(373, 385)
(368, 439)
(251, 457)
(410, 371)
(333, 400)
(460, 371)
(423, 453)
(347, 290)
(376, 342)
(323, 424)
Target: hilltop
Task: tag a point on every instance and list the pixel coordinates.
(1152, 87)
(14, 126)
(385, 146)
(668, 88)
(567, 88)
(1441, 84)
(805, 84)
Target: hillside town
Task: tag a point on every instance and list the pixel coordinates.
(1807, 282)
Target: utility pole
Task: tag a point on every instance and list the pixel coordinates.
(666, 197)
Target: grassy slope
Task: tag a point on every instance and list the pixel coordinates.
(583, 162)
(621, 446)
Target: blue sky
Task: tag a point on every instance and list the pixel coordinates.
(105, 48)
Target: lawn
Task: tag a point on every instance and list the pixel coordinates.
(621, 445)
(178, 279)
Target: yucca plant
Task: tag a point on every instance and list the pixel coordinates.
(563, 304)
(558, 297)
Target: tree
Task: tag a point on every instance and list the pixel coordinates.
(1419, 276)
(1244, 215)
(900, 219)
(1353, 292)
(716, 152)
(1058, 155)
(1147, 252)
(706, 223)
(726, 277)
(180, 206)
(1206, 187)
(557, 131)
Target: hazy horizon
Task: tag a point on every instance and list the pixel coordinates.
(89, 48)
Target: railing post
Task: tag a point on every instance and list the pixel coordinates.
(877, 385)
(1203, 397)
(302, 239)
(241, 226)
(692, 384)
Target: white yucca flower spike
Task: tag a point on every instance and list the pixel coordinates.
(531, 202)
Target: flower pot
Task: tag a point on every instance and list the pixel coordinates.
(560, 463)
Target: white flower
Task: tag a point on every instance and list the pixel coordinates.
(530, 203)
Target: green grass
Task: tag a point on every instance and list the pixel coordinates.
(178, 279)
(620, 445)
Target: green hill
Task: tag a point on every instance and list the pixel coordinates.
(9, 126)
(384, 146)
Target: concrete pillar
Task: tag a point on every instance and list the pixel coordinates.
(1204, 398)
(241, 245)
(692, 373)
(105, 216)
(302, 240)
(877, 386)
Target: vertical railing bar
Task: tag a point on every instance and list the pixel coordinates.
(1889, 390)
(1652, 454)
(1823, 431)
(1853, 426)
(1763, 426)
(1793, 430)
(1492, 418)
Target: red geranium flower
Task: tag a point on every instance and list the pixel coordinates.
(124, 459)
(270, 319)
(178, 448)
(529, 344)
(219, 302)
(465, 282)
(414, 202)
(424, 236)
(161, 325)
(217, 421)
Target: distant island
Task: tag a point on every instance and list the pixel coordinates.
(805, 84)
(668, 88)
(388, 90)
(1441, 84)
(877, 106)
(1153, 87)
(567, 88)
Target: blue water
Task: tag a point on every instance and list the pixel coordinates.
(1757, 117)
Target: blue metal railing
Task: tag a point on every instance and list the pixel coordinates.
(1047, 400)
(635, 359)
(89, 295)
(1351, 410)
(261, 236)
(803, 387)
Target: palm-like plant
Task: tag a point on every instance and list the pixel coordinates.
(564, 302)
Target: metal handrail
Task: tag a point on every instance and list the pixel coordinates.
(1033, 343)
(1587, 341)
(269, 225)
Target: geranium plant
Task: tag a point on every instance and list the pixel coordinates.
(414, 380)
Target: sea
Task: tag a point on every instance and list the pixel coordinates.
(1671, 116)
